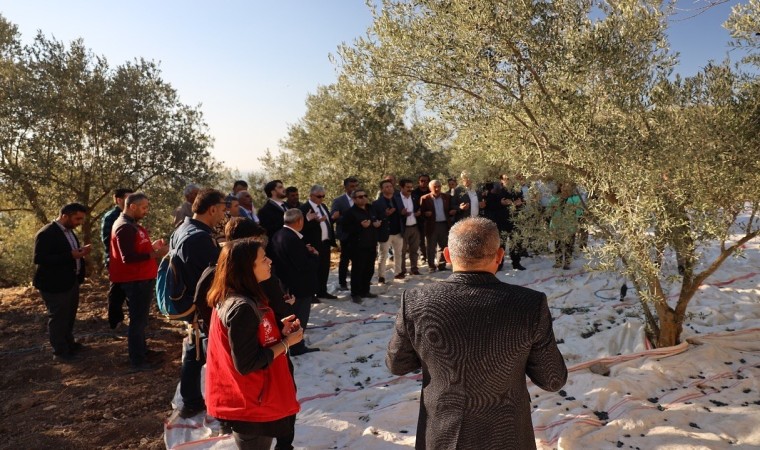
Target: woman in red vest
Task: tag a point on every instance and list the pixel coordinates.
(248, 382)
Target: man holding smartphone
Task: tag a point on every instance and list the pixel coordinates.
(60, 270)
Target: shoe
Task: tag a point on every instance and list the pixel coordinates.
(415, 271)
(327, 296)
(369, 295)
(304, 351)
(356, 299)
(315, 300)
(518, 266)
(154, 354)
(76, 347)
(343, 287)
(381, 280)
(187, 413)
(400, 276)
(442, 267)
(65, 358)
(142, 367)
(566, 267)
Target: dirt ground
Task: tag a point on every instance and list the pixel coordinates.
(94, 403)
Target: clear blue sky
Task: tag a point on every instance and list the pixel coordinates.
(251, 64)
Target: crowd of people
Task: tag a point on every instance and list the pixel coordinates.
(253, 273)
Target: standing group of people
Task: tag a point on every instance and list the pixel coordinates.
(253, 286)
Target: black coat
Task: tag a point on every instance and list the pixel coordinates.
(358, 237)
(295, 265)
(475, 339)
(271, 217)
(312, 231)
(56, 268)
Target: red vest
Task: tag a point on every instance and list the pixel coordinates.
(260, 396)
(121, 272)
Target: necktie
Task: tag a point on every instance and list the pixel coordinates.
(284, 208)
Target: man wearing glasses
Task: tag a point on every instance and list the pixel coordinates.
(194, 244)
(360, 226)
(318, 232)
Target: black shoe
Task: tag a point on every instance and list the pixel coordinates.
(518, 266)
(152, 355)
(343, 287)
(65, 358)
(76, 347)
(327, 296)
(142, 367)
(442, 267)
(400, 276)
(415, 271)
(369, 295)
(304, 350)
(315, 300)
(186, 412)
(381, 280)
(356, 299)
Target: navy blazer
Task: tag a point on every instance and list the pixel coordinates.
(340, 204)
(295, 265)
(56, 268)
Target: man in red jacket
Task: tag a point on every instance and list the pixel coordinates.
(133, 267)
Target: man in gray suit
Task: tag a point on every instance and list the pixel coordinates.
(475, 339)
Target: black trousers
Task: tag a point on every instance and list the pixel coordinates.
(302, 310)
(345, 257)
(116, 298)
(362, 269)
(323, 272)
(62, 313)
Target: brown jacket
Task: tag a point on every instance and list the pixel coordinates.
(426, 204)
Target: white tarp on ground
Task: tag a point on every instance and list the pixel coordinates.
(702, 394)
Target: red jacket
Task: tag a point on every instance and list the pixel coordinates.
(131, 252)
(261, 395)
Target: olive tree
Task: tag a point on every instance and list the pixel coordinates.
(585, 91)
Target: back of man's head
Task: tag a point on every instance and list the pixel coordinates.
(292, 216)
(473, 242)
(206, 199)
(240, 227)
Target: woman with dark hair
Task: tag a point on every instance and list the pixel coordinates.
(248, 382)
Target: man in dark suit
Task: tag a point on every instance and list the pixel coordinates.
(339, 207)
(439, 213)
(60, 271)
(475, 339)
(317, 232)
(296, 264)
(361, 227)
(270, 213)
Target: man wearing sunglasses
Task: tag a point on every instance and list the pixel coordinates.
(361, 228)
(318, 232)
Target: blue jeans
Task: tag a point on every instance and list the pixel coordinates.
(190, 373)
(139, 295)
